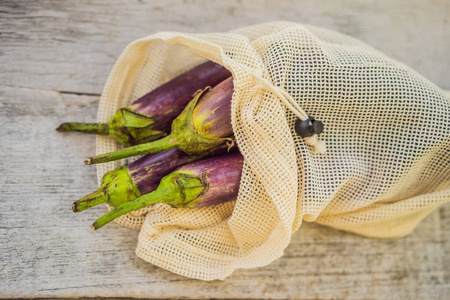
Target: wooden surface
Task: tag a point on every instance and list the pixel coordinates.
(55, 57)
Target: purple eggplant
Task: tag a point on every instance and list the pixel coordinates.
(140, 177)
(150, 117)
(201, 126)
(202, 183)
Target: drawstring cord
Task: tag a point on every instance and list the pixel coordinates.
(293, 106)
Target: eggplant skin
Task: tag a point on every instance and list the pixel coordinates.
(212, 114)
(166, 102)
(147, 171)
(220, 176)
(141, 177)
(188, 129)
(202, 183)
(150, 117)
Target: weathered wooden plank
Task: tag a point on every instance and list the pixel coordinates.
(47, 250)
(73, 44)
(55, 57)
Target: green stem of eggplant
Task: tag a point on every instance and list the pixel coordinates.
(144, 201)
(166, 143)
(93, 199)
(93, 128)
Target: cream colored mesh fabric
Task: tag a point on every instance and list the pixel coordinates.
(386, 129)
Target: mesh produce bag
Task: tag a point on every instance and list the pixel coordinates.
(379, 167)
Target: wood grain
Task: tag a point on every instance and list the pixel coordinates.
(55, 57)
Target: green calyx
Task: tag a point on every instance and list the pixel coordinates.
(190, 139)
(116, 189)
(184, 136)
(176, 189)
(185, 189)
(130, 127)
(127, 126)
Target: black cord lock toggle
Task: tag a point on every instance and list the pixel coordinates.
(308, 128)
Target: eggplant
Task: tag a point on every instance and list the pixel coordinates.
(202, 183)
(140, 177)
(204, 123)
(150, 117)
